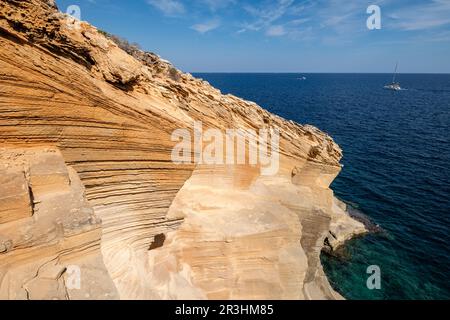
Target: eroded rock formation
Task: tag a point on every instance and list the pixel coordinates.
(88, 181)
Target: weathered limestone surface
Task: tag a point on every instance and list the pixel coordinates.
(59, 230)
(87, 178)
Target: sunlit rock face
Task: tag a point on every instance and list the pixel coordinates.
(88, 186)
(47, 227)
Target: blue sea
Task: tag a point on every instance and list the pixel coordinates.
(396, 170)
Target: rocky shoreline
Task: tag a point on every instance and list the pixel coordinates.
(88, 181)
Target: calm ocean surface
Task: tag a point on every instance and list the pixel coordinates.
(396, 157)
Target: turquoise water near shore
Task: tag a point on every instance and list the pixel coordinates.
(396, 156)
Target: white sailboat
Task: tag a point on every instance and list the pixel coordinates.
(395, 86)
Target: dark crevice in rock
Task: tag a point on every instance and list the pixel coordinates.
(127, 87)
(32, 203)
(158, 241)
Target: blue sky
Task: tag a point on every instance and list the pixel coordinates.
(281, 35)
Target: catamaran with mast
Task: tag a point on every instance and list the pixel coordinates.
(394, 85)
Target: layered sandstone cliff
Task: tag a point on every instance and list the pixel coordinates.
(88, 180)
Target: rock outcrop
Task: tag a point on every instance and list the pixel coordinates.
(88, 181)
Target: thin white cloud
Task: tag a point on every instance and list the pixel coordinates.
(297, 22)
(421, 17)
(275, 31)
(215, 5)
(266, 15)
(342, 17)
(422, 24)
(168, 7)
(329, 21)
(281, 18)
(206, 26)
